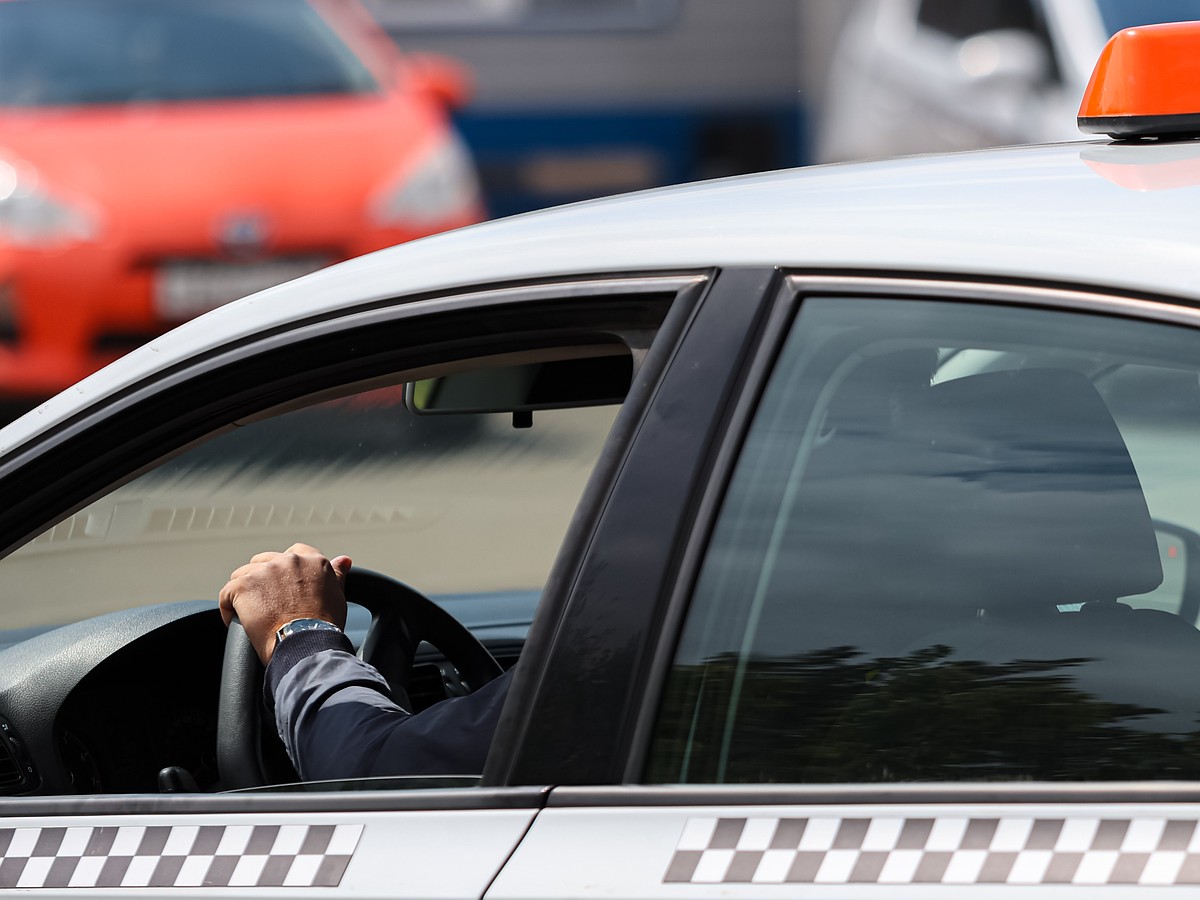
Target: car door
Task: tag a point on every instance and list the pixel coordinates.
(928, 617)
(136, 510)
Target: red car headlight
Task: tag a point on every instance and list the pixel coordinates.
(32, 216)
(442, 184)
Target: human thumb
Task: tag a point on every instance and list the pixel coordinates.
(341, 565)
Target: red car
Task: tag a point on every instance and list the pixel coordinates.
(159, 159)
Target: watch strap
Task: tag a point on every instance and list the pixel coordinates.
(296, 626)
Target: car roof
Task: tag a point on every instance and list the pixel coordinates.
(1089, 213)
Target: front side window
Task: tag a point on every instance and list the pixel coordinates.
(959, 545)
(458, 505)
(466, 509)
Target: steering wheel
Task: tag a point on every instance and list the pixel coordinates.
(401, 618)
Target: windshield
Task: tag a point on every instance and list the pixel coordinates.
(1119, 14)
(69, 52)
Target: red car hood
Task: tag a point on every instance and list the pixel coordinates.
(282, 154)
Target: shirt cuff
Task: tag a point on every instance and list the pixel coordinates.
(295, 648)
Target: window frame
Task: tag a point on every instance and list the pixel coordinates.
(242, 379)
(603, 606)
(115, 439)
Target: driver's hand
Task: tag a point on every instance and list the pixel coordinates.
(276, 588)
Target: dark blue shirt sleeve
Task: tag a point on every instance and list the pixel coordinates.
(337, 719)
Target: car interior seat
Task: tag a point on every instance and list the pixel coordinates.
(976, 535)
(1001, 495)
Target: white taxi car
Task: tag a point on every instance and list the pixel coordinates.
(860, 507)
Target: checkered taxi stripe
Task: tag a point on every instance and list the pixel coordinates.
(937, 850)
(136, 856)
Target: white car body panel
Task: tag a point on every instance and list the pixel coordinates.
(899, 851)
(442, 854)
(1041, 213)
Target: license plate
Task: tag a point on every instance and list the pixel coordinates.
(186, 288)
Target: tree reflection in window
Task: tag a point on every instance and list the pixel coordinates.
(834, 716)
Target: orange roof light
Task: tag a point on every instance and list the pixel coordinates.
(1146, 84)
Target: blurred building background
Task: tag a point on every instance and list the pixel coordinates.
(580, 98)
(158, 159)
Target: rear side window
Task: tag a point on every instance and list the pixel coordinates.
(959, 544)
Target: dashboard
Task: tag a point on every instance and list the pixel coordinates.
(152, 705)
(104, 705)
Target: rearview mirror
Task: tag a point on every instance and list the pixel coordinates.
(525, 388)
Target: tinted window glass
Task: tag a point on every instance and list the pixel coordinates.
(961, 20)
(959, 544)
(64, 52)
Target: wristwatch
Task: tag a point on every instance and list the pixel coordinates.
(298, 625)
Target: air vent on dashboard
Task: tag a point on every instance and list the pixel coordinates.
(425, 686)
(16, 771)
(10, 769)
(428, 682)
